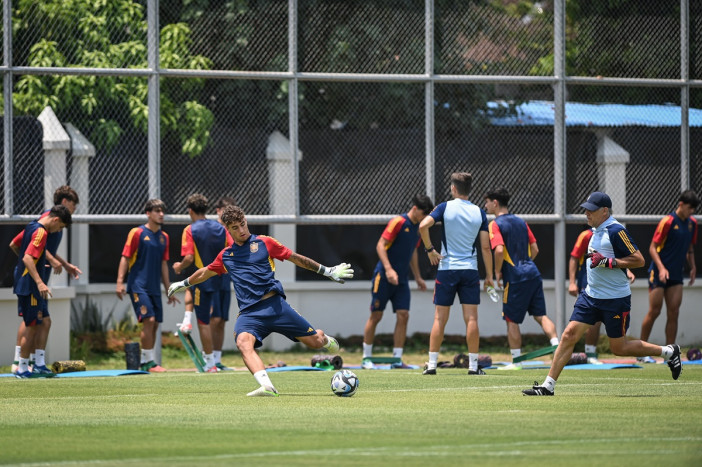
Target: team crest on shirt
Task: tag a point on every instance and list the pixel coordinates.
(253, 247)
(162, 240)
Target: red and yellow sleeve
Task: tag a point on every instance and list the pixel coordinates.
(393, 228)
(187, 245)
(495, 235)
(217, 265)
(38, 243)
(580, 247)
(132, 244)
(276, 249)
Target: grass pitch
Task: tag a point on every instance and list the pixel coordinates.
(398, 417)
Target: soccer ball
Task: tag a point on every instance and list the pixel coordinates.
(344, 383)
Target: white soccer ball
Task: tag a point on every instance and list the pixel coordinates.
(344, 383)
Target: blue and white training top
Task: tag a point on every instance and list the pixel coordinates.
(463, 221)
(612, 240)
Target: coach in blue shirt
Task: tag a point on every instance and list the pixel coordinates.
(607, 297)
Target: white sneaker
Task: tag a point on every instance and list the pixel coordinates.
(511, 366)
(332, 346)
(15, 367)
(646, 360)
(593, 361)
(367, 364)
(264, 391)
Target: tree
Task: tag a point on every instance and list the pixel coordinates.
(105, 34)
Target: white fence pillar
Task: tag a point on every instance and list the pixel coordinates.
(82, 151)
(612, 160)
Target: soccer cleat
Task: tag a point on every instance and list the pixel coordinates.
(646, 360)
(537, 390)
(15, 367)
(674, 363)
(479, 371)
(221, 367)
(23, 375)
(367, 364)
(152, 367)
(42, 372)
(264, 391)
(428, 371)
(332, 345)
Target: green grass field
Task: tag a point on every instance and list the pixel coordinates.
(398, 417)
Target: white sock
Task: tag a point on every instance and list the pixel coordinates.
(209, 360)
(18, 350)
(188, 317)
(473, 361)
(667, 352)
(263, 379)
(554, 341)
(39, 354)
(549, 383)
(367, 350)
(147, 355)
(397, 352)
(23, 365)
(590, 348)
(433, 358)
(515, 353)
(217, 354)
(143, 356)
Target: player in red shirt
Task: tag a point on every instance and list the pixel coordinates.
(672, 246)
(260, 296)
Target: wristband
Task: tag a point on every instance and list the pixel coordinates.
(186, 282)
(323, 270)
(430, 249)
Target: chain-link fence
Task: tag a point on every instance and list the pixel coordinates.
(337, 108)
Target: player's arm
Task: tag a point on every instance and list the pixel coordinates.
(487, 258)
(28, 261)
(691, 263)
(656, 258)
(181, 266)
(15, 249)
(533, 250)
(167, 282)
(414, 267)
(499, 252)
(572, 274)
(198, 277)
(381, 248)
(71, 269)
(121, 274)
(424, 226)
(336, 273)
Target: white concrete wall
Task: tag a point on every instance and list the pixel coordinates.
(58, 345)
(340, 310)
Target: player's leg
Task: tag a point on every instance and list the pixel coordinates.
(673, 299)
(246, 343)
(40, 339)
(18, 345)
(436, 337)
(381, 291)
(470, 316)
(218, 323)
(537, 309)
(369, 332)
(28, 308)
(514, 338)
(571, 335)
(187, 326)
(656, 293)
(400, 305)
(202, 302)
(592, 337)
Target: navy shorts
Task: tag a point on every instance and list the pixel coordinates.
(383, 291)
(522, 297)
(273, 314)
(220, 306)
(465, 282)
(653, 281)
(146, 306)
(32, 309)
(613, 312)
(205, 304)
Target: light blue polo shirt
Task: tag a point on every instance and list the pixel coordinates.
(460, 240)
(612, 240)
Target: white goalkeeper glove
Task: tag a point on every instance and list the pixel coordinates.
(337, 273)
(177, 287)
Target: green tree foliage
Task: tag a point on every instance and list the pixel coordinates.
(104, 34)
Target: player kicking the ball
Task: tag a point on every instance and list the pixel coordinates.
(262, 305)
(607, 296)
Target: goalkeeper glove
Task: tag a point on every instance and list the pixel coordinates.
(337, 273)
(597, 260)
(177, 287)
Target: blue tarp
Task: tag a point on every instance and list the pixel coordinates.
(541, 113)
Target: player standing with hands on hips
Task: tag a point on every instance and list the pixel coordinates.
(607, 296)
(261, 299)
(465, 230)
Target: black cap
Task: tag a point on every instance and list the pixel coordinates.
(596, 201)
